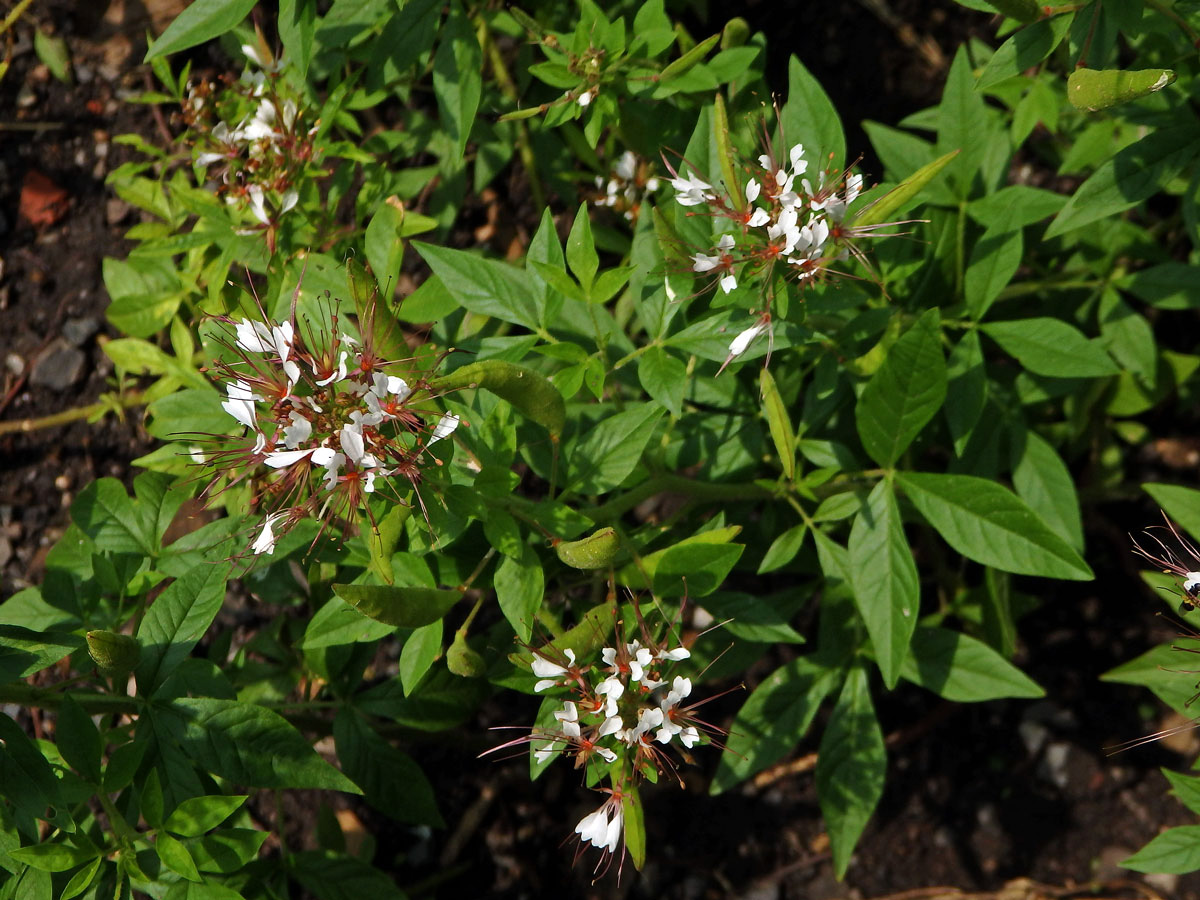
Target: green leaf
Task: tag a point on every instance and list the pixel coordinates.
(1094, 89)
(331, 877)
(1174, 851)
(1051, 347)
(297, 21)
(483, 286)
(850, 768)
(1130, 177)
(607, 454)
(457, 78)
(390, 780)
(1042, 480)
(337, 622)
(228, 850)
(52, 857)
(634, 819)
(81, 880)
(809, 117)
(994, 260)
(581, 249)
(175, 856)
(407, 607)
(176, 620)
(1159, 670)
(52, 51)
(199, 815)
(783, 549)
(107, 515)
(884, 578)
(988, 523)
(151, 801)
(78, 739)
(664, 377)
(905, 392)
(1182, 504)
(773, 720)
(688, 60)
(960, 668)
(779, 423)
(520, 586)
(251, 745)
(24, 652)
(420, 652)
(200, 21)
(1024, 50)
(529, 392)
(385, 249)
(1186, 789)
(1171, 285)
(966, 389)
(962, 123)
(694, 570)
(763, 620)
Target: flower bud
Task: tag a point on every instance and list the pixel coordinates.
(462, 660)
(114, 654)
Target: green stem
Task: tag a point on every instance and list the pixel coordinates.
(22, 426)
(51, 698)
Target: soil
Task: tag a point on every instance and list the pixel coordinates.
(1012, 797)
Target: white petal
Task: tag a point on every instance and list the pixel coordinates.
(753, 189)
(351, 440)
(445, 427)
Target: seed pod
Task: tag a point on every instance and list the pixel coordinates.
(114, 654)
(596, 551)
(1094, 89)
(462, 660)
(529, 392)
(735, 33)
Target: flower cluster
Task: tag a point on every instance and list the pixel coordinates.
(258, 162)
(623, 713)
(780, 218)
(325, 420)
(628, 184)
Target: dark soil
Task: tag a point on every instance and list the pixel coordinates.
(978, 797)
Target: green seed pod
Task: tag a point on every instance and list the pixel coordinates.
(596, 551)
(462, 660)
(1094, 89)
(114, 654)
(529, 392)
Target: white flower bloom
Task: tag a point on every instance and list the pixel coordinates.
(1191, 583)
(753, 189)
(333, 465)
(445, 427)
(728, 283)
(799, 165)
(265, 542)
(568, 718)
(240, 404)
(204, 160)
(702, 262)
(258, 204)
(288, 200)
(603, 827)
(281, 459)
(758, 218)
(612, 689)
(550, 671)
(651, 185)
(649, 718)
(679, 653)
(853, 187)
(298, 432)
(691, 191)
(585, 99)
(741, 343)
(765, 161)
(611, 725)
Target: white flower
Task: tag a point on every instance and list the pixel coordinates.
(691, 191)
(550, 671)
(240, 404)
(258, 204)
(753, 189)
(612, 689)
(626, 166)
(445, 427)
(333, 465)
(1192, 583)
(281, 459)
(351, 439)
(265, 542)
(611, 725)
(799, 165)
(585, 99)
(742, 342)
(853, 187)
(728, 283)
(288, 200)
(603, 827)
(298, 432)
(649, 718)
(758, 218)
(679, 653)
(337, 374)
(702, 262)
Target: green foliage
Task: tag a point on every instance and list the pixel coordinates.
(887, 446)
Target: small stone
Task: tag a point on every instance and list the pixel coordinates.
(78, 331)
(59, 367)
(115, 210)
(14, 363)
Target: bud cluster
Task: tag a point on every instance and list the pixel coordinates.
(251, 137)
(326, 422)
